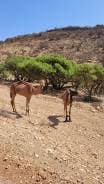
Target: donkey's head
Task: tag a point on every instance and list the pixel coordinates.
(43, 86)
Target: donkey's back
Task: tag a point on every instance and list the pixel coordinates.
(21, 88)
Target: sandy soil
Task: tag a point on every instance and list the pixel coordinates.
(43, 149)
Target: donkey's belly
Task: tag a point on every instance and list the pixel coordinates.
(22, 93)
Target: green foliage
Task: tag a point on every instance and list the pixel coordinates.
(56, 68)
(90, 77)
(63, 69)
(59, 70)
(38, 70)
(3, 72)
(13, 65)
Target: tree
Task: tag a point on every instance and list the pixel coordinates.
(3, 72)
(90, 78)
(13, 64)
(59, 70)
(63, 69)
(28, 67)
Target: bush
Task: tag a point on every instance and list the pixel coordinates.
(90, 78)
(63, 69)
(55, 68)
(59, 70)
(3, 71)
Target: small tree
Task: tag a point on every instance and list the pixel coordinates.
(99, 84)
(63, 69)
(3, 71)
(28, 67)
(13, 64)
(90, 78)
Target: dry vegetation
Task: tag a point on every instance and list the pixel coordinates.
(81, 44)
(42, 149)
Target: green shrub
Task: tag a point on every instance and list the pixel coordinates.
(59, 70)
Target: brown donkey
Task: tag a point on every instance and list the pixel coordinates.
(25, 89)
(67, 98)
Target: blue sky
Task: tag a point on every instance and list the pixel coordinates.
(19, 17)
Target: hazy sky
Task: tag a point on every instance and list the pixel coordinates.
(27, 16)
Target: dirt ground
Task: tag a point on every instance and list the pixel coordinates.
(42, 149)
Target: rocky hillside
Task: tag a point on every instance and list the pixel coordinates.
(83, 44)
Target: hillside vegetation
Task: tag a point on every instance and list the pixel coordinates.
(80, 44)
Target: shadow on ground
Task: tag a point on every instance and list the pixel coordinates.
(54, 120)
(8, 114)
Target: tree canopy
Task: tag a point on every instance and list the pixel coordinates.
(59, 70)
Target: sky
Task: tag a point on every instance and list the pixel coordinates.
(19, 17)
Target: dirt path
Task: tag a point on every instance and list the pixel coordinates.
(42, 149)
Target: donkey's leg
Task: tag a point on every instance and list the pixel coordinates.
(64, 109)
(13, 103)
(70, 106)
(66, 115)
(27, 105)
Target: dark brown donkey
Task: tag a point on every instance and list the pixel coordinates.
(67, 98)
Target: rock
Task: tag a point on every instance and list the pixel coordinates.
(50, 151)
(33, 177)
(93, 110)
(5, 159)
(82, 170)
(64, 158)
(7, 167)
(36, 155)
(43, 175)
(98, 107)
(21, 181)
(18, 165)
(55, 158)
(94, 155)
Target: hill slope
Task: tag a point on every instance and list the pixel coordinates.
(81, 44)
(64, 153)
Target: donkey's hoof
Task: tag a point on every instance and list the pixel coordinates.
(14, 111)
(66, 121)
